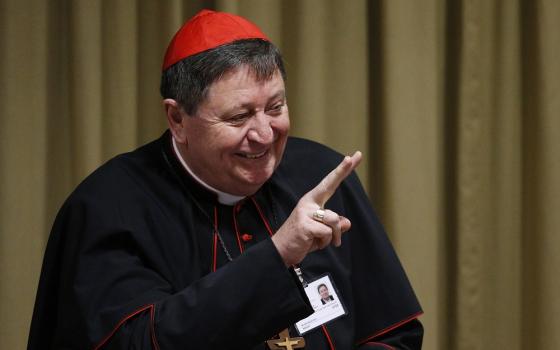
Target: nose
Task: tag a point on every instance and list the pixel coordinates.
(261, 130)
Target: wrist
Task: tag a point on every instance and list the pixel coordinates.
(282, 250)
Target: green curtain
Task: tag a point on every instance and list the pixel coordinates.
(455, 105)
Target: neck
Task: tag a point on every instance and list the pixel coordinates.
(223, 197)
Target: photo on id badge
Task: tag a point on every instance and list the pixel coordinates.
(326, 302)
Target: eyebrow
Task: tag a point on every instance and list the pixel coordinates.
(280, 94)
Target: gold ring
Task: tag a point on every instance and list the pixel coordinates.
(319, 215)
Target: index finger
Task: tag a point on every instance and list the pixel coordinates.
(326, 188)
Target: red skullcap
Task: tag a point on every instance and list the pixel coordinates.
(207, 30)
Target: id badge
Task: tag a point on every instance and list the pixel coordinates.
(326, 302)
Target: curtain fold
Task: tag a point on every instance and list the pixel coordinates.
(23, 159)
(488, 197)
(541, 171)
(455, 104)
(85, 86)
(411, 168)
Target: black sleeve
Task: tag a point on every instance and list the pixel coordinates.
(112, 297)
(245, 302)
(405, 337)
(233, 304)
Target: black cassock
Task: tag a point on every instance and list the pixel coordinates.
(134, 261)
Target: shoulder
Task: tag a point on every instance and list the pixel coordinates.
(125, 175)
(305, 163)
(120, 199)
(310, 155)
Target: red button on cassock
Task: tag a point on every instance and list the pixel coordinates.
(246, 237)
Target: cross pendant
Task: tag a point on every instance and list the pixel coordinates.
(284, 342)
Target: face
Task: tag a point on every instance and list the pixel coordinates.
(323, 292)
(238, 135)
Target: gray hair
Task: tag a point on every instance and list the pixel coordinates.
(188, 80)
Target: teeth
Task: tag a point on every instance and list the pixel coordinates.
(254, 156)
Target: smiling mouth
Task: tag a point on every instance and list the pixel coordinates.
(252, 155)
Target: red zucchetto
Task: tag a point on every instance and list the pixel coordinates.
(207, 30)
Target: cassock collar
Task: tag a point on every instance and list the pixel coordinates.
(223, 197)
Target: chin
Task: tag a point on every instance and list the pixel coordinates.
(253, 183)
(257, 182)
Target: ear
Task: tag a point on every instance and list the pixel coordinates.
(176, 120)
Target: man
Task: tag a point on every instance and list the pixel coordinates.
(207, 237)
(323, 291)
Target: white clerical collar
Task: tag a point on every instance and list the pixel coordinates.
(223, 198)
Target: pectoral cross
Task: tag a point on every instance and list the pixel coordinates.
(284, 342)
